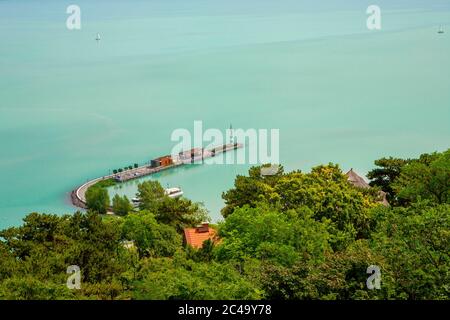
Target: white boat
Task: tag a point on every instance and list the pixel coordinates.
(170, 192)
(441, 29)
(98, 37)
(136, 202)
(174, 192)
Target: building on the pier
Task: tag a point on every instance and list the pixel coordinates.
(161, 162)
(192, 155)
(195, 237)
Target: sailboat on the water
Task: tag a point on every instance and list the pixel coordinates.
(441, 29)
(98, 37)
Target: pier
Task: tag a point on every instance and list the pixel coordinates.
(195, 155)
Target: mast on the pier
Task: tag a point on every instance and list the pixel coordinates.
(231, 134)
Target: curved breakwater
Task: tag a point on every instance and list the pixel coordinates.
(78, 195)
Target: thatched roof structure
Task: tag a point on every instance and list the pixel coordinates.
(356, 180)
(359, 182)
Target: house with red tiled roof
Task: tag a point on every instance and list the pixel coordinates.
(195, 237)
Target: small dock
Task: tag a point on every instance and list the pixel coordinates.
(195, 155)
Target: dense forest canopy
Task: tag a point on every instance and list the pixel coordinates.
(289, 235)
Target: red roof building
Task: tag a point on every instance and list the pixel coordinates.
(161, 162)
(196, 236)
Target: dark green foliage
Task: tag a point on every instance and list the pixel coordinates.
(97, 199)
(105, 183)
(205, 253)
(46, 245)
(392, 173)
(270, 235)
(179, 278)
(121, 205)
(150, 194)
(250, 190)
(30, 288)
(286, 236)
(388, 170)
(415, 244)
(325, 191)
(151, 238)
(178, 213)
(425, 179)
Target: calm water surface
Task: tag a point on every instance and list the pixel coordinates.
(72, 109)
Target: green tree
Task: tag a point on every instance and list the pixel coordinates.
(250, 190)
(285, 236)
(178, 278)
(178, 213)
(414, 242)
(151, 238)
(8, 264)
(97, 199)
(45, 245)
(30, 288)
(266, 234)
(326, 191)
(428, 179)
(205, 253)
(150, 194)
(388, 170)
(121, 205)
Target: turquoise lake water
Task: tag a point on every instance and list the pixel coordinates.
(72, 109)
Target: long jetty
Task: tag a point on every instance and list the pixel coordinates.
(78, 195)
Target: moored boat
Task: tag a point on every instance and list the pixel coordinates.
(174, 192)
(136, 202)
